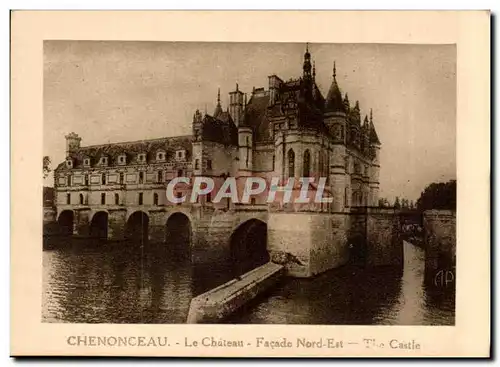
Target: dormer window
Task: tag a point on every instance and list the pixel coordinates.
(141, 157)
(160, 156)
(104, 161)
(180, 155)
(69, 163)
(86, 162)
(122, 159)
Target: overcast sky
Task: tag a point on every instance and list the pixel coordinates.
(122, 91)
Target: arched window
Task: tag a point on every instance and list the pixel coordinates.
(103, 179)
(155, 199)
(117, 199)
(291, 163)
(81, 199)
(68, 198)
(357, 168)
(327, 166)
(320, 164)
(160, 176)
(69, 180)
(140, 198)
(103, 198)
(141, 177)
(307, 164)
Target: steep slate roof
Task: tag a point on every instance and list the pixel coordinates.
(334, 102)
(131, 149)
(220, 130)
(373, 134)
(256, 116)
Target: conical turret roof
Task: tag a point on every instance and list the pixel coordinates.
(373, 133)
(218, 108)
(334, 102)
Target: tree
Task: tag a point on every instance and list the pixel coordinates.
(438, 195)
(397, 204)
(46, 166)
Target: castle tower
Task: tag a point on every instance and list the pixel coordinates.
(72, 143)
(336, 120)
(197, 155)
(306, 68)
(374, 182)
(365, 134)
(236, 106)
(335, 116)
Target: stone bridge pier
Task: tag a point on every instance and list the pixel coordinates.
(374, 237)
(306, 243)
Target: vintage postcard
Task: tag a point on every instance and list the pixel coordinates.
(250, 184)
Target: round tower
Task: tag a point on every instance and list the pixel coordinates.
(375, 163)
(336, 120)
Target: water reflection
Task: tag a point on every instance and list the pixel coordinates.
(130, 284)
(356, 296)
(120, 284)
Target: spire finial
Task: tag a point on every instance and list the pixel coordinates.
(218, 97)
(307, 46)
(334, 70)
(314, 69)
(371, 115)
(237, 87)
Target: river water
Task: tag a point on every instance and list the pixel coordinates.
(125, 284)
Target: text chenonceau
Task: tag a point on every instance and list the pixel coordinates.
(215, 342)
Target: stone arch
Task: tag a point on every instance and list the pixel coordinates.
(93, 212)
(182, 210)
(99, 225)
(178, 234)
(66, 220)
(133, 211)
(291, 163)
(248, 246)
(137, 227)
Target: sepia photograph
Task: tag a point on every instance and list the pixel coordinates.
(259, 183)
(250, 184)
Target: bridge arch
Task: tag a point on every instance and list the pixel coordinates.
(137, 227)
(178, 234)
(248, 246)
(99, 225)
(66, 220)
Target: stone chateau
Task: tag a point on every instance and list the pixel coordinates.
(289, 129)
